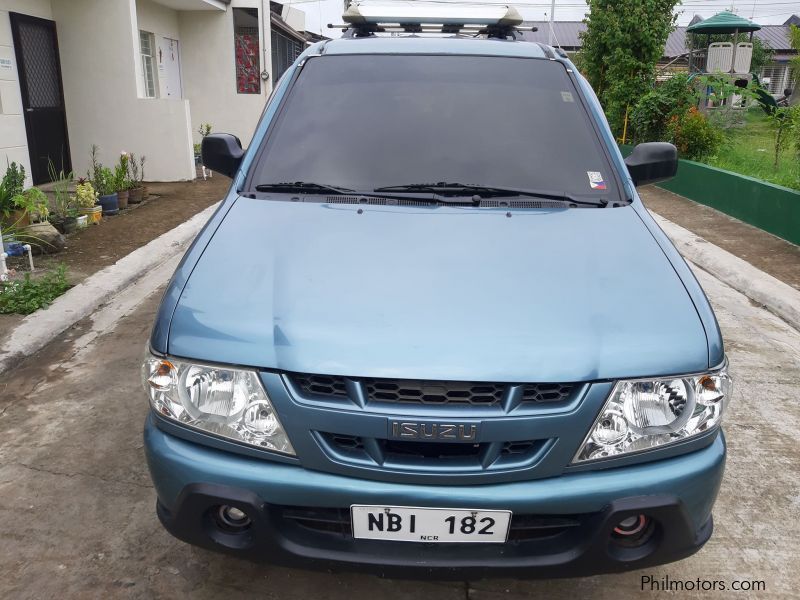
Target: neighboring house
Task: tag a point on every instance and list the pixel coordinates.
(776, 75)
(135, 75)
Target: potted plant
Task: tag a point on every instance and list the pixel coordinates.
(121, 181)
(85, 200)
(135, 171)
(33, 202)
(63, 215)
(104, 183)
(11, 189)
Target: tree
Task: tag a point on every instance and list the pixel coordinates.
(794, 40)
(781, 122)
(620, 49)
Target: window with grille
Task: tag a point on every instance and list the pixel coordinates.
(777, 78)
(147, 51)
(245, 34)
(285, 51)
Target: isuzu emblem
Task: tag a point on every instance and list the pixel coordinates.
(430, 431)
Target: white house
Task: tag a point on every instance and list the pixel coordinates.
(135, 75)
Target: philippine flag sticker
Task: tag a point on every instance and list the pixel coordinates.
(596, 180)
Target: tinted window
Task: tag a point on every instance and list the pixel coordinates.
(367, 121)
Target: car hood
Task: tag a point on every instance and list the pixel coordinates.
(438, 293)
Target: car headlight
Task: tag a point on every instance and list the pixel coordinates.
(645, 413)
(227, 402)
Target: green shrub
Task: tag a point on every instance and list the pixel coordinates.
(693, 135)
(649, 118)
(29, 295)
(651, 115)
(680, 91)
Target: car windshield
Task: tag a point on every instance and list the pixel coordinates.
(365, 122)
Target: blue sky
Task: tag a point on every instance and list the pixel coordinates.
(764, 12)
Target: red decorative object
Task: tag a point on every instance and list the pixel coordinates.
(248, 78)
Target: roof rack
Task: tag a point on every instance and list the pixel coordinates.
(497, 21)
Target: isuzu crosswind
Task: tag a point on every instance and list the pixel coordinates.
(432, 330)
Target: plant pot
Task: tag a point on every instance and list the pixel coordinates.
(109, 204)
(82, 222)
(66, 225)
(70, 225)
(122, 199)
(17, 219)
(93, 213)
(145, 192)
(135, 195)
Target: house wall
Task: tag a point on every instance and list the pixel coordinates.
(209, 70)
(104, 89)
(13, 137)
(101, 92)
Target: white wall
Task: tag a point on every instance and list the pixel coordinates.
(209, 71)
(13, 138)
(99, 47)
(103, 86)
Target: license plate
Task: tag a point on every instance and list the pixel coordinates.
(413, 524)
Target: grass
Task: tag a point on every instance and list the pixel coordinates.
(750, 150)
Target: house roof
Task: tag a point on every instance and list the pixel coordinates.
(567, 36)
(723, 22)
(277, 21)
(566, 33)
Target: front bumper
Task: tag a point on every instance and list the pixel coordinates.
(678, 493)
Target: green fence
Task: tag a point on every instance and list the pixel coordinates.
(767, 206)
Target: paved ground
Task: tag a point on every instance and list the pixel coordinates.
(771, 254)
(76, 504)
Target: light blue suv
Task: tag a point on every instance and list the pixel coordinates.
(432, 329)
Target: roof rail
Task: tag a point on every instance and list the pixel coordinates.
(497, 21)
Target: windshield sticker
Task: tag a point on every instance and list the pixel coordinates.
(596, 180)
(567, 97)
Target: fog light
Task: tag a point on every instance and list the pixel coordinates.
(633, 531)
(232, 519)
(631, 525)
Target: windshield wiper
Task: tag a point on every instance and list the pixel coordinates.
(302, 186)
(487, 191)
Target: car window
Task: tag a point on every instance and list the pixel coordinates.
(367, 121)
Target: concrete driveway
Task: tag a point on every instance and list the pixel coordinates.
(77, 508)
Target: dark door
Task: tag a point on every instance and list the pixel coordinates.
(39, 67)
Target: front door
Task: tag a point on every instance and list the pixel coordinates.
(169, 68)
(39, 68)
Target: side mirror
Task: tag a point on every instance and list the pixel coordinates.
(222, 152)
(652, 162)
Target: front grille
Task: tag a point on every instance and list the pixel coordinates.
(547, 392)
(403, 454)
(418, 391)
(395, 451)
(378, 391)
(336, 521)
(321, 385)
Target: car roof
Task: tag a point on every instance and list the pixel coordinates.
(436, 45)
